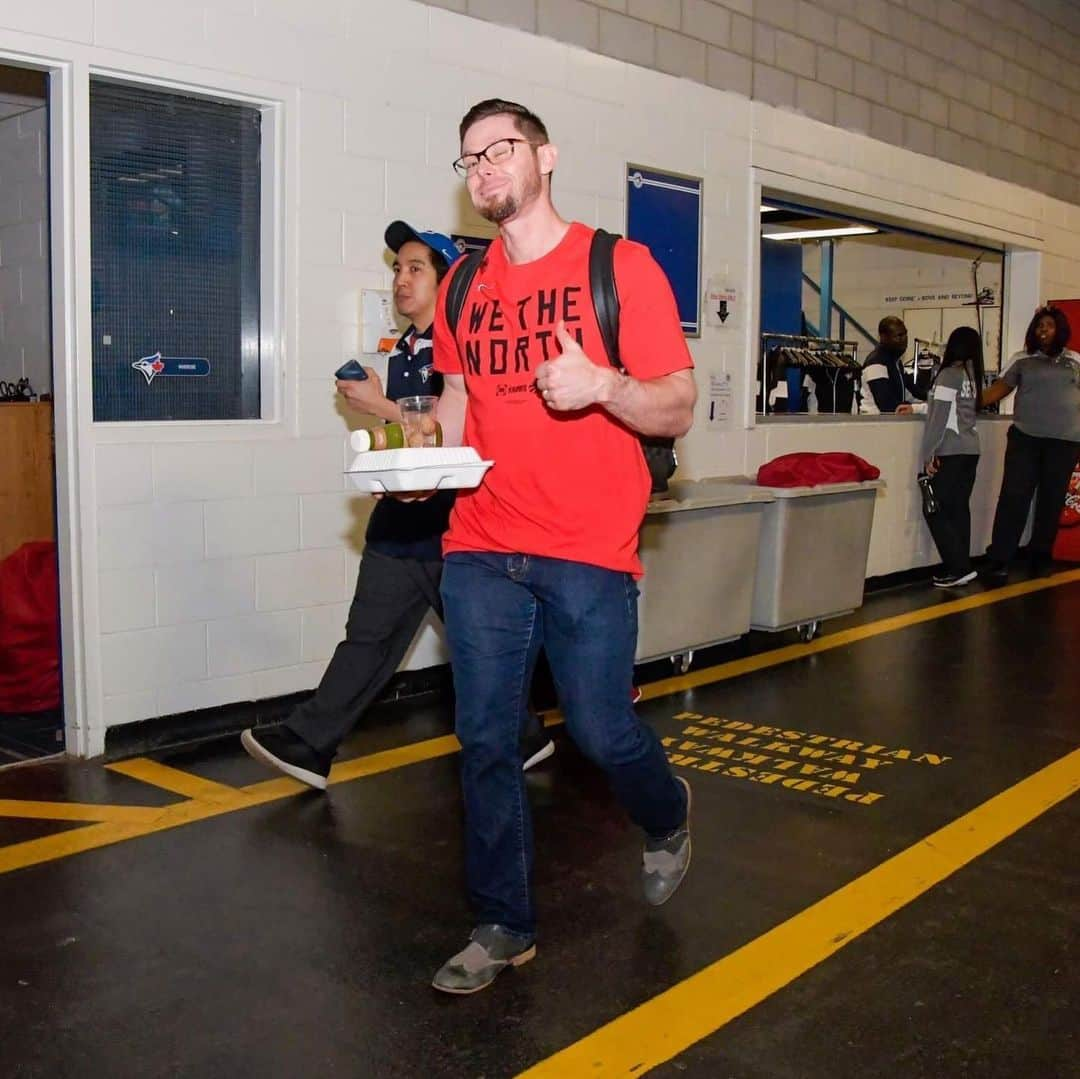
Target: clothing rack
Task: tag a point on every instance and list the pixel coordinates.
(836, 360)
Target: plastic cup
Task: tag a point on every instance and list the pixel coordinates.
(418, 420)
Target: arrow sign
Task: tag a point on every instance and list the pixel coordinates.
(176, 366)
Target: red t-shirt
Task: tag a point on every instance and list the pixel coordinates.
(570, 485)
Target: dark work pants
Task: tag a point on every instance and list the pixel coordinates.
(391, 598)
(1033, 466)
(951, 525)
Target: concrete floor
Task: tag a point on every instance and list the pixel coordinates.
(223, 924)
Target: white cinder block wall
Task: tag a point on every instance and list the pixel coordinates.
(213, 563)
(24, 267)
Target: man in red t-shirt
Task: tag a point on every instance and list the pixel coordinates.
(544, 552)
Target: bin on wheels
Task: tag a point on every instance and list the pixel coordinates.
(812, 562)
(699, 548)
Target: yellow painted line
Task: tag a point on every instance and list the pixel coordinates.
(64, 844)
(707, 675)
(209, 799)
(13, 807)
(670, 1023)
(177, 781)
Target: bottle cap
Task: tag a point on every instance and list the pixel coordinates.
(361, 440)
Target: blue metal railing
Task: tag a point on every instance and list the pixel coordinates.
(845, 318)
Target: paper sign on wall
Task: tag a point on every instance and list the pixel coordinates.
(721, 303)
(719, 413)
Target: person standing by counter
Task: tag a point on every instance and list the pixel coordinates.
(950, 453)
(886, 387)
(1043, 441)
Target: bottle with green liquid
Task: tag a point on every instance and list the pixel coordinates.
(392, 436)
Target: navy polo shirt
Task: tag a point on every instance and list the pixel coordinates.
(411, 529)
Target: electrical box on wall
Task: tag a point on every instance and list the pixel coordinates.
(378, 328)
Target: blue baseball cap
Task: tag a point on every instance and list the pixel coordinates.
(398, 233)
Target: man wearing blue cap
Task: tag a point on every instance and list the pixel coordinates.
(401, 568)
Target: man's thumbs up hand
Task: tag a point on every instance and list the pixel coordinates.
(571, 381)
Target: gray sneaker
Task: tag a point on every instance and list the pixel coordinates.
(491, 949)
(665, 861)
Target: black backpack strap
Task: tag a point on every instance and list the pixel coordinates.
(459, 287)
(659, 452)
(605, 292)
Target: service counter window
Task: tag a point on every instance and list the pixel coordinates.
(177, 256)
(835, 288)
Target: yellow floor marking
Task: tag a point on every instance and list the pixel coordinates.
(209, 799)
(12, 807)
(670, 1023)
(177, 781)
(64, 844)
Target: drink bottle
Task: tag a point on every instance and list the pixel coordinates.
(929, 499)
(391, 436)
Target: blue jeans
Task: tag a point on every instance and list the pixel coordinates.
(499, 611)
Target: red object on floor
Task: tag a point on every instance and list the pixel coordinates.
(1067, 544)
(812, 469)
(29, 629)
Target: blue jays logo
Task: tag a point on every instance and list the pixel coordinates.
(177, 366)
(426, 372)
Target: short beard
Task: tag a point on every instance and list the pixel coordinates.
(503, 209)
(498, 212)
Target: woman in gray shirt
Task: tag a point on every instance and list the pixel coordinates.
(950, 453)
(1043, 441)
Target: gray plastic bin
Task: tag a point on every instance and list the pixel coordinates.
(814, 546)
(699, 548)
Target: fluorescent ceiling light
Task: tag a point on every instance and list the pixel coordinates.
(819, 234)
(769, 209)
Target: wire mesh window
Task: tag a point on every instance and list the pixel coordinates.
(175, 260)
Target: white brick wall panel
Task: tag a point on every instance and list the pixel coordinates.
(211, 693)
(300, 579)
(126, 597)
(260, 642)
(252, 526)
(307, 465)
(190, 471)
(199, 591)
(286, 680)
(151, 658)
(123, 475)
(334, 520)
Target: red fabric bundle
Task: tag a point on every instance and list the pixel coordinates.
(1067, 544)
(29, 629)
(812, 469)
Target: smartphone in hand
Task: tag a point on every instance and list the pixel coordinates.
(351, 371)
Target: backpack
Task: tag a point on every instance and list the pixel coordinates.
(659, 452)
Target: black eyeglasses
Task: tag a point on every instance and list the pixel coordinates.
(499, 150)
